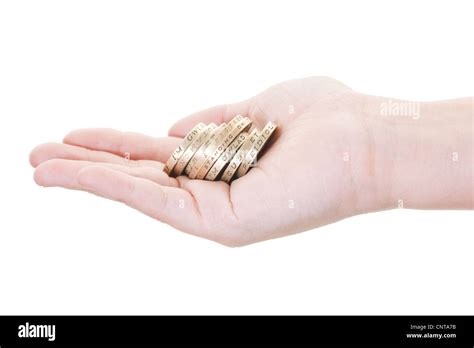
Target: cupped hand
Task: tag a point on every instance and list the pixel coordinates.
(315, 171)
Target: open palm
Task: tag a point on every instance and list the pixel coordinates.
(304, 179)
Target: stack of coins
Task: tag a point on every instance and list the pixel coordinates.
(225, 152)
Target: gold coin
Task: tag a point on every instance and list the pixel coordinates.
(213, 144)
(198, 154)
(181, 148)
(239, 157)
(256, 148)
(226, 156)
(218, 139)
(196, 162)
(191, 150)
(212, 158)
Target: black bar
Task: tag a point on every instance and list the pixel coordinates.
(424, 331)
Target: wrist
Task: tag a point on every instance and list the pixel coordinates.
(420, 153)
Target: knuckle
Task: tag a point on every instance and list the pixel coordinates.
(231, 239)
(163, 199)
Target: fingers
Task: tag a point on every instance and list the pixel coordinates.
(64, 173)
(199, 207)
(111, 146)
(171, 205)
(216, 114)
(120, 143)
(48, 151)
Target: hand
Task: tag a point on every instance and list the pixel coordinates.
(326, 163)
(302, 181)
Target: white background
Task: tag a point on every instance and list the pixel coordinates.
(140, 66)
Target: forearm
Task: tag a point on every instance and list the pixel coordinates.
(423, 152)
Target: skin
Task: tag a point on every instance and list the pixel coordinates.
(337, 153)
